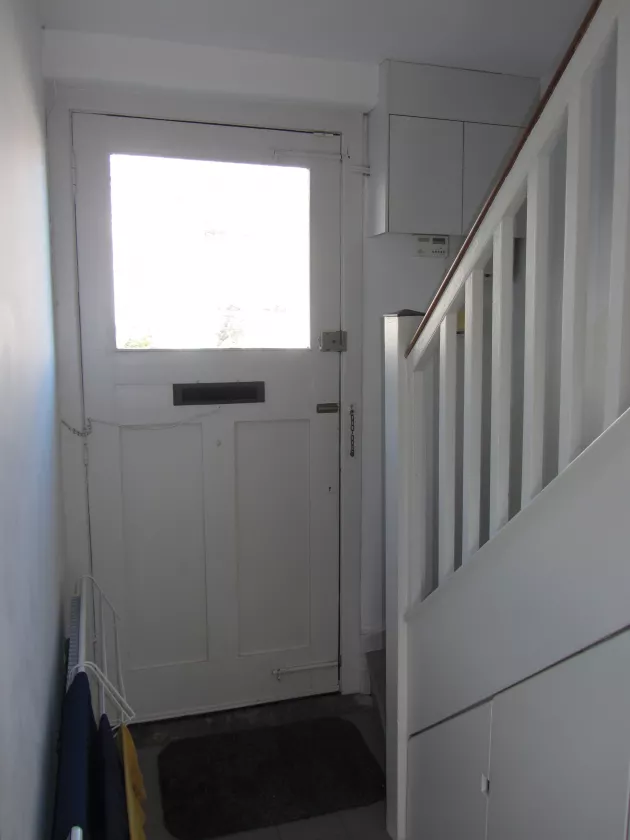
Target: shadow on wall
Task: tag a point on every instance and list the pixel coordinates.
(31, 643)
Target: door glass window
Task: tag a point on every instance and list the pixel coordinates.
(210, 254)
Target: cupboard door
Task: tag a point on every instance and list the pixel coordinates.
(445, 799)
(486, 148)
(425, 175)
(560, 751)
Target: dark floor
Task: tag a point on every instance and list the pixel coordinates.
(359, 824)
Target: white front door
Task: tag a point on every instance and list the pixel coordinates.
(209, 262)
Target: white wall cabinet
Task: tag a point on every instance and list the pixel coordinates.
(425, 175)
(556, 749)
(445, 766)
(561, 751)
(436, 140)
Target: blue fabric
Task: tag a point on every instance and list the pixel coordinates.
(110, 801)
(76, 742)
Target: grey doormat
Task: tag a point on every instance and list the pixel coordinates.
(239, 781)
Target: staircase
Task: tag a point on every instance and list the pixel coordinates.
(508, 461)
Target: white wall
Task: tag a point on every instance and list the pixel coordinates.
(30, 629)
(88, 57)
(394, 278)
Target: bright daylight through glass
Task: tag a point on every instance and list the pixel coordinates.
(210, 254)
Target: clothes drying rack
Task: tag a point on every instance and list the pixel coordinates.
(88, 653)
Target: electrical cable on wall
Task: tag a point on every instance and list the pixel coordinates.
(87, 430)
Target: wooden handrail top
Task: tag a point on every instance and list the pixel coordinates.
(577, 39)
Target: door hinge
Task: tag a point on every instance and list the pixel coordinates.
(74, 172)
(352, 430)
(333, 342)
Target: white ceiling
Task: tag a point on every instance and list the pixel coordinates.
(507, 36)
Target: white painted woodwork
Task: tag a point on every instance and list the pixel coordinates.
(511, 194)
(425, 175)
(551, 583)
(281, 449)
(537, 621)
(501, 388)
(473, 348)
(413, 185)
(420, 572)
(448, 408)
(162, 481)
(445, 768)
(574, 284)
(66, 99)
(560, 749)
(617, 397)
(486, 149)
(398, 430)
(217, 538)
(536, 303)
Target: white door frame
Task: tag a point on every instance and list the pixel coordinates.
(62, 101)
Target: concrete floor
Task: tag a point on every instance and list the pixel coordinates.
(359, 824)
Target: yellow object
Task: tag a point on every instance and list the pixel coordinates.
(134, 785)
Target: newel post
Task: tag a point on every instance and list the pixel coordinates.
(398, 330)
